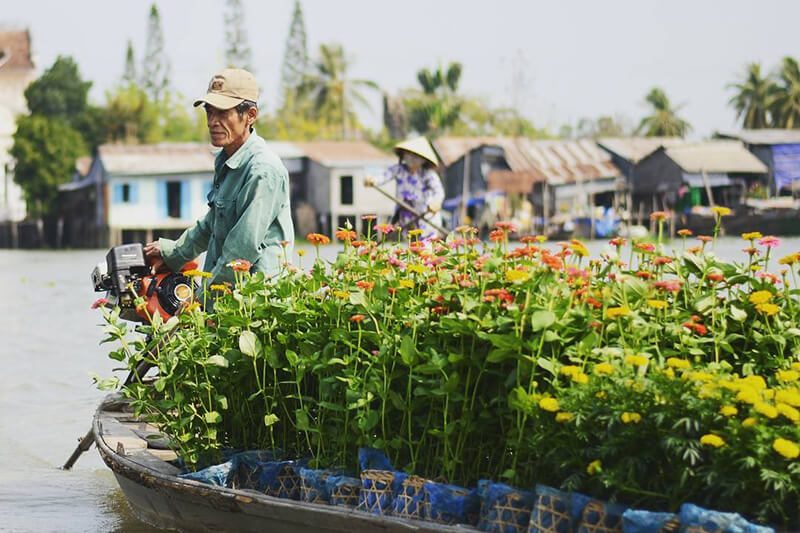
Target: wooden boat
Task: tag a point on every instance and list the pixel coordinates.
(770, 217)
(160, 498)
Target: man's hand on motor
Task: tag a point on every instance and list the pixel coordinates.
(152, 251)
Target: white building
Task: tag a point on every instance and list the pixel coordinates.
(16, 73)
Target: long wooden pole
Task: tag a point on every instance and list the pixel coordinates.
(402, 203)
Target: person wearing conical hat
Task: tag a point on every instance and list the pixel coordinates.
(418, 185)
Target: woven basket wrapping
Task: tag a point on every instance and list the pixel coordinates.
(344, 491)
(285, 483)
(599, 517)
(450, 504)
(377, 491)
(551, 512)
(313, 486)
(408, 502)
(504, 509)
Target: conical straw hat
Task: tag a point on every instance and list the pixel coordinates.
(419, 146)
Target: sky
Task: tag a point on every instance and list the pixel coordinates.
(555, 61)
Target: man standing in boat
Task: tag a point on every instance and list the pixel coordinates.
(249, 214)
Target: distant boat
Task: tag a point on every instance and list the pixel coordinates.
(775, 216)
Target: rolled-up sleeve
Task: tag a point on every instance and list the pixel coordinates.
(192, 243)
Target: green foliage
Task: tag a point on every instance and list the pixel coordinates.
(59, 92)
(466, 361)
(45, 150)
(295, 57)
(664, 122)
(130, 115)
(435, 109)
(237, 47)
(129, 74)
(755, 96)
(155, 70)
(786, 106)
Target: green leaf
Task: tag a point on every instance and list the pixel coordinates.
(542, 319)
(738, 314)
(249, 343)
(217, 360)
(301, 420)
(497, 355)
(358, 298)
(547, 365)
(270, 419)
(212, 417)
(160, 384)
(222, 401)
(292, 358)
(408, 351)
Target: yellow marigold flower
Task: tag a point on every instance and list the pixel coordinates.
(514, 275)
(747, 395)
(680, 364)
(796, 366)
(790, 259)
(580, 378)
(788, 411)
(603, 369)
(614, 312)
(220, 287)
(760, 297)
(756, 382)
(594, 467)
(708, 390)
(765, 409)
(569, 370)
(549, 404)
(415, 232)
(712, 440)
(342, 295)
(564, 417)
(768, 393)
(787, 376)
(406, 284)
(670, 373)
(193, 307)
(786, 448)
(721, 211)
(301, 252)
(749, 422)
(657, 304)
(636, 360)
(768, 309)
(728, 410)
(788, 396)
(699, 376)
(419, 269)
(600, 395)
(541, 238)
(753, 235)
(631, 418)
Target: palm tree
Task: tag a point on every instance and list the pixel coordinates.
(664, 122)
(755, 96)
(438, 108)
(786, 102)
(334, 96)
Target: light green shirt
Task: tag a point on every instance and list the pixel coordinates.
(248, 216)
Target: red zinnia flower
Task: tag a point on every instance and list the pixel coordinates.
(365, 285)
(240, 265)
(357, 318)
(100, 302)
(497, 235)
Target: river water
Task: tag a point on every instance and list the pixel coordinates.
(48, 346)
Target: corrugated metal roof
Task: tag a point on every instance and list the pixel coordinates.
(163, 158)
(634, 149)
(716, 156)
(765, 136)
(343, 153)
(15, 49)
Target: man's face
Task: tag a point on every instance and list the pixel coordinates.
(227, 127)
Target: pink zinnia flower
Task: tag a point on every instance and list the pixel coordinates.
(769, 241)
(671, 285)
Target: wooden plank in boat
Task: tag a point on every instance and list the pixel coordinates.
(152, 460)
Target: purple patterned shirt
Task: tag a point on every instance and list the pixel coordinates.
(419, 190)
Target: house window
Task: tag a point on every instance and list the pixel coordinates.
(126, 193)
(174, 199)
(346, 190)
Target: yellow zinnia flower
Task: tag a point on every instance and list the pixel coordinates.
(515, 276)
(760, 297)
(415, 232)
(749, 422)
(680, 364)
(698, 376)
(753, 235)
(786, 448)
(342, 295)
(406, 284)
(631, 418)
(594, 467)
(580, 378)
(569, 370)
(549, 404)
(419, 269)
(790, 259)
(728, 410)
(604, 369)
(657, 304)
(768, 309)
(712, 440)
(614, 312)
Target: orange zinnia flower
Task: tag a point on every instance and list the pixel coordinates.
(240, 265)
(357, 318)
(318, 238)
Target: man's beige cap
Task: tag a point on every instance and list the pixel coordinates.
(230, 88)
(419, 146)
